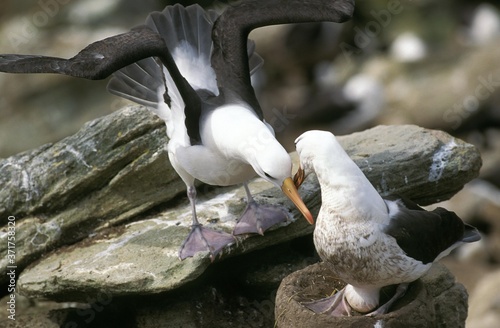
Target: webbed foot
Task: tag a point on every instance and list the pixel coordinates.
(258, 218)
(202, 239)
(335, 305)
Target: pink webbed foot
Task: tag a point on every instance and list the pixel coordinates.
(335, 305)
(258, 218)
(204, 239)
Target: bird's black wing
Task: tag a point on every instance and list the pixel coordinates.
(181, 28)
(230, 33)
(425, 235)
(102, 58)
(140, 82)
(97, 61)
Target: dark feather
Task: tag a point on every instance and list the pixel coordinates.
(97, 61)
(102, 58)
(230, 33)
(230, 56)
(139, 82)
(424, 235)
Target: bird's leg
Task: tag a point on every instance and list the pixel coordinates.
(400, 291)
(258, 218)
(201, 238)
(191, 193)
(335, 305)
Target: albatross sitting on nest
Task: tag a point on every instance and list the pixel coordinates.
(192, 68)
(368, 241)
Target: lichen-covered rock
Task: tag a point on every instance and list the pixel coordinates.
(436, 300)
(111, 170)
(116, 168)
(430, 165)
(142, 257)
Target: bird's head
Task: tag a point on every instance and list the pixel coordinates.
(310, 145)
(274, 165)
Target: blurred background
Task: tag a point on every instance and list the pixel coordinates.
(433, 63)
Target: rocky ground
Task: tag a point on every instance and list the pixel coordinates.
(433, 64)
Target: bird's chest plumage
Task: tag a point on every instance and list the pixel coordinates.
(217, 160)
(357, 251)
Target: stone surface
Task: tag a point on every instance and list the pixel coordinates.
(111, 170)
(36, 109)
(238, 292)
(86, 186)
(431, 165)
(436, 300)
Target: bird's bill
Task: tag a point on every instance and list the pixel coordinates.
(291, 192)
(299, 177)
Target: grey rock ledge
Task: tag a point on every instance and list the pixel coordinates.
(91, 191)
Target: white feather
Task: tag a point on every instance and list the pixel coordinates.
(194, 65)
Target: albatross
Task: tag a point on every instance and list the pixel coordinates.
(366, 240)
(192, 68)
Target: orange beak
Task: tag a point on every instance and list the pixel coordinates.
(291, 192)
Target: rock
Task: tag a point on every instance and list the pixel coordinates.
(238, 292)
(111, 170)
(31, 313)
(427, 161)
(484, 309)
(436, 300)
(115, 169)
(141, 257)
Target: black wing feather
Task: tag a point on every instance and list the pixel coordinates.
(231, 29)
(97, 61)
(102, 58)
(424, 235)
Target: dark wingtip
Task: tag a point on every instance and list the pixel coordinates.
(471, 234)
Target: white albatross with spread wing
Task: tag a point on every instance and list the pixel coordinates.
(368, 241)
(192, 68)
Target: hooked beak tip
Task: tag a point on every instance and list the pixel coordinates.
(291, 192)
(299, 177)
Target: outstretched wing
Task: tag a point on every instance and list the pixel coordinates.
(140, 82)
(97, 61)
(230, 59)
(187, 33)
(102, 58)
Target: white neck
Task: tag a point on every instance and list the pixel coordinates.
(343, 184)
